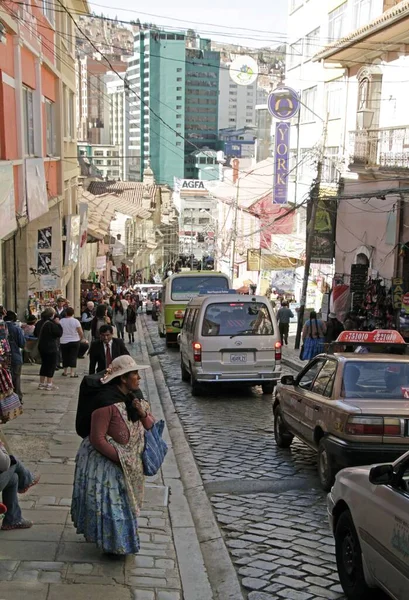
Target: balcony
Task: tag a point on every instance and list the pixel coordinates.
(385, 149)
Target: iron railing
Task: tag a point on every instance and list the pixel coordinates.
(386, 148)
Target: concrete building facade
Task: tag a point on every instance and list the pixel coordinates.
(41, 221)
(236, 102)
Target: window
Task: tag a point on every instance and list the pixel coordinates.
(178, 70)
(98, 153)
(309, 374)
(51, 142)
(178, 97)
(178, 125)
(311, 43)
(178, 116)
(237, 318)
(337, 22)
(330, 170)
(294, 54)
(69, 113)
(308, 102)
(178, 143)
(364, 11)
(178, 107)
(48, 9)
(324, 381)
(178, 89)
(334, 99)
(178, 79)
(185, 287)
(204, 220)
(389, 381)
(28, 121)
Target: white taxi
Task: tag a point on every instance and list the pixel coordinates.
(368, 509)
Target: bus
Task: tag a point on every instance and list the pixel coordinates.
(178, 290)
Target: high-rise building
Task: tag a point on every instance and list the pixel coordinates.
(173, 104)
(118, 95)
(236, 102)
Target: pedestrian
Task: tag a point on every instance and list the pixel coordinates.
(60, 307)
(119, 315)
(284, 316)
(313, 335)
(131, 321)
(103, 351)
(334, 328)
(14, 479)
(86, 320)
(101, 318)
(48, 346)
(350, 322)
(17, 342)
(109, 480)
(72, 335)
(29, 326)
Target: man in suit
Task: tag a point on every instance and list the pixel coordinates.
(104, 350)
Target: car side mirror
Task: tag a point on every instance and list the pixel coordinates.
(178, 338)
(176, 324)
(287, 380)
(381, 475)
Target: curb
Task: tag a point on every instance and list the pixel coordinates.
(220, 570)
(293, 364)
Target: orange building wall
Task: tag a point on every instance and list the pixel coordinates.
(48, 83)
(8, 120)
(51, 177)
(7, 57)
(28, 68)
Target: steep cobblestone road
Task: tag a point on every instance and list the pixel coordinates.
(267, 501)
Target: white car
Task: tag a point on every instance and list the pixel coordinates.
(368, 510)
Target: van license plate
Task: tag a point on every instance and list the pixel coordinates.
(238, 358)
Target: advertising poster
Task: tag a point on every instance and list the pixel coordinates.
(8, 221)
(323, 245)
(281, 163)
(36, 189)
(44, 263)
(44, 239)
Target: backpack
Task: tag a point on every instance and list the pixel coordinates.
(87, 402)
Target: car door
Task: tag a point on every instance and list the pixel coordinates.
(317, 404)
(293, 397)
(384, 531)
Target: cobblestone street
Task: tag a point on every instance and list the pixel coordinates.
(267, 501)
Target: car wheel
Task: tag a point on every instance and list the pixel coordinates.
(326, 467)
(196, 387)
(282, 436)
(267, 387)
(184, 372)
(349, 559)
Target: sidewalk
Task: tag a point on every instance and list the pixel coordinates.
(50, 561)
(291, 357)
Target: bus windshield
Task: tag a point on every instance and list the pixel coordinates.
(186, 288)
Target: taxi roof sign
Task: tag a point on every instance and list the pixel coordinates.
(379, 336)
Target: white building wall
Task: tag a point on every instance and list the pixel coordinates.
(236, 102)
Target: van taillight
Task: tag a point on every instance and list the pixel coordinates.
(197, 352)
(277, 350)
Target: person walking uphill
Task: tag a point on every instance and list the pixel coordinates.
(48, 331)
(131, 315)
(313, 337)
(109, 480)
(17, 342)
(70, 342)
(284, 316)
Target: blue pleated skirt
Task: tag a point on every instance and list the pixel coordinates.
(100, 508)
(312, 347)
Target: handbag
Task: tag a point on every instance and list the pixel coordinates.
(155, 449)
(10, 407)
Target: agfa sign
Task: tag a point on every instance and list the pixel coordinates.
(192, 187)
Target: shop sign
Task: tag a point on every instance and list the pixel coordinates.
(243, 70)
(101, 263)
(323, 242)
(397, 292)
(281, 163)
(48, 282)
(253, 260)
(283, 103)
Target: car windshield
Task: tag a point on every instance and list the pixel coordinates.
(185, 288)
(374, 379)
(237, 318)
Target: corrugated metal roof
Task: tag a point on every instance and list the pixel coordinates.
(134, 192)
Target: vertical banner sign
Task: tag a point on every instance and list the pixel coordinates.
(281, 166)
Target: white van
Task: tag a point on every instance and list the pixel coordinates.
(230, 338)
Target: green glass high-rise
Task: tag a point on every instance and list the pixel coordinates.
(174, 103)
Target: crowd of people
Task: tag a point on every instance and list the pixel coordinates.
(109, 477)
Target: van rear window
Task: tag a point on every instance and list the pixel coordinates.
(237, 318)
(186, 288)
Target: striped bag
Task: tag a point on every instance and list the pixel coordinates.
(155, 449)
(10, 406)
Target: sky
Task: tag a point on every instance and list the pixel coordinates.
(235, 22)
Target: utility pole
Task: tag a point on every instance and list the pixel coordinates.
(191, 239)
(314, 200)
(234, 231)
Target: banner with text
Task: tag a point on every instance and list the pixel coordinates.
(281, 162)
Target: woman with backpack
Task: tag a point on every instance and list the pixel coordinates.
(313, 335)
